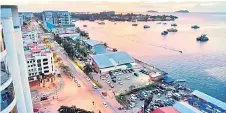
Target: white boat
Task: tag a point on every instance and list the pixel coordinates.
(102, 22)
(146, 26)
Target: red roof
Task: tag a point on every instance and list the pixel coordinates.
(35, 50)
(32, 45)
(165, 110)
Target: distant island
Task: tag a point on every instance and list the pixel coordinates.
(152, 11)
(182, 11)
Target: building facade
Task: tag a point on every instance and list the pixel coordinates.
(25, 17)
(57, 17)
(32, 35)
(15, 91)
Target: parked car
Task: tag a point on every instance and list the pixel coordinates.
(103, 78)
(119, 79)
(132, 105)
(111, 85)
(113, 80)
(88, 78)
(107, 81)
(136, 74)
(105, 105)
(107, 76)
(76, 81)
(128, 78)
(120, 83)
(78, 85)
(44, 98)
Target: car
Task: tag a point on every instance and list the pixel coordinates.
(108, 81)
(128, 78)
(113, 80)
(111, 85)
(94, 86)
(44, 98)
(119, 79)
(105, 105)
(88, 78)
(76, 81)
(136, 74)
(103, 78)
(78, 85)
(107, 76)
(132, 99)
(132, 105)
(120, 83)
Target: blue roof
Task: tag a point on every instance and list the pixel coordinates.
(210, 99)
(168, 79)
(92, 42)
(49, 25)
(185, 108)
(100, 49)
(76, 37)
(112, 59)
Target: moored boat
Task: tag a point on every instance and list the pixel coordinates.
(101, 22)
(134, 24)
(134, 20)
(146, 26)
(158, 22)
(195, 27)
(173, 24)
(84, 25)
(164, 33)
(172, 30)
(202, 38)
(164, 23)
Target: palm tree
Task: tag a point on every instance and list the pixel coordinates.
(105, 44)
(114, 50)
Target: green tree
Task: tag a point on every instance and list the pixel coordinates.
(72, 109)
(88, 69)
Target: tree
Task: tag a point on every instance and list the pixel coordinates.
(114, 50)
(105, 44)
(72, 109)
(88, 69)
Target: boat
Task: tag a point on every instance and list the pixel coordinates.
(164, 23)
(164, 33)
(172, 30)
(134, 24)
(195, 27)
(158, 22)
(173, 24)
(84, 25)
(101, 22)
(202, 38)
(134, 20)
(146, 26)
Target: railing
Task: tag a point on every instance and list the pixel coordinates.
(7, 97)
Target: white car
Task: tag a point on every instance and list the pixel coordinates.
(105, 105)
(128, 78)
(120, 83)
(119, 79)
(88, 78)
(76, 81)
(103, 78)
(132, 104)
(107, 76)
(108, 81)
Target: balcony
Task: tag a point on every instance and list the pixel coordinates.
(8, 100)
(4, 77)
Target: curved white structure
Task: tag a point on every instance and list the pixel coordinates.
(14, 87)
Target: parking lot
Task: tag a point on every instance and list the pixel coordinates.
(160, 96)
(122, 81)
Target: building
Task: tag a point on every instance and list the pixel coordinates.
(108, 13)
(184, 107)
(96, 46)
(168, 109)
(32, 35)
(25, 17)
(39, 59)
(15, 91)
(56, 17)
(103, 63)
(63, 29)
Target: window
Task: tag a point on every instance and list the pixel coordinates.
(46, 71)
(40, 69)
(45, 63)
(39, 61)
(46, 67)
(39, 65)
(45, 59)
(30, 61)
(31, 66)
(27, 61)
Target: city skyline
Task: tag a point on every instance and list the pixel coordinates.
(118, 6)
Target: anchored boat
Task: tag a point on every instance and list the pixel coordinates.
(202, 38)
(195, 27)
(146, 26)
(172, 30)
(164, 33)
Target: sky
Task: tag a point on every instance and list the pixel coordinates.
(119, 5)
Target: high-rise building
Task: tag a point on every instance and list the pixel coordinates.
(25, 16)
(15, 91)
(57, 17)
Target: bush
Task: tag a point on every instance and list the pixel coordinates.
(97, 83)
(122, 100)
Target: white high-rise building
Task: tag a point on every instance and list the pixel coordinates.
(15, 91)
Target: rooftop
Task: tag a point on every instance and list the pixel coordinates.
(32, 45)
(210, 99)
(35, 50)
(92, 42)
(184, 107)
(100, 49)
(168, 109)
(112, 59)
